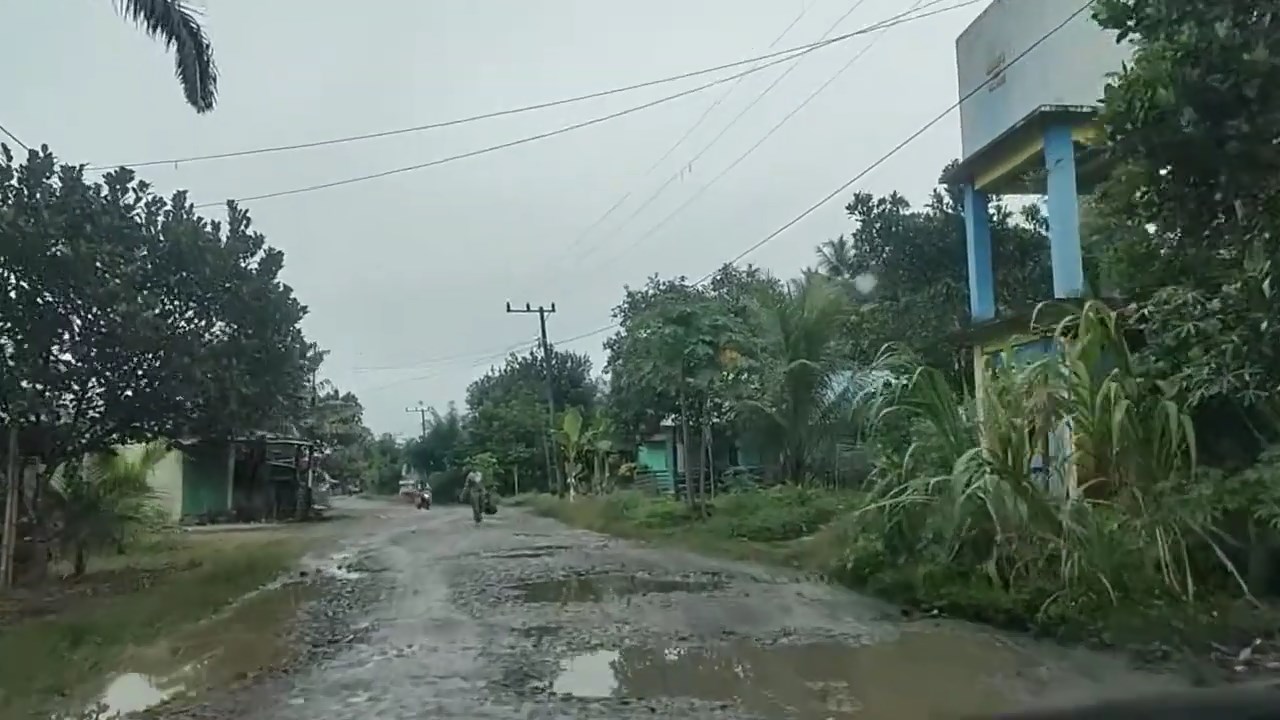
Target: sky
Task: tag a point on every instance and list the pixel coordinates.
(406, 277)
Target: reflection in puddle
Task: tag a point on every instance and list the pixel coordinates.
(133, 692)
(922, 674)
(596, 588)
(215, 652)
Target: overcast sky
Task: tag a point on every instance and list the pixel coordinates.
(408, 274)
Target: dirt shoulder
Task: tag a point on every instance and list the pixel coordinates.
(71, 633)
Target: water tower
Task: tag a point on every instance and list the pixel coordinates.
(1031, 76)
(1028, 122)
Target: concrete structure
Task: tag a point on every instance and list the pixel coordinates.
(1031, 74)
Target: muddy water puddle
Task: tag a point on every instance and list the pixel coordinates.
(533, 552)
(217, 652)
(599, 588)
(923, 674)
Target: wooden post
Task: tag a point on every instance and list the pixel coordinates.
(515, 474)
(9, 537)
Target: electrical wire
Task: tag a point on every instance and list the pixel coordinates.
(437, 372)
(797, 50)
(870, 168)
(804, 9)
(653, 197)
(14, 138)
(787, 118)
(482, 355)
(528, 139)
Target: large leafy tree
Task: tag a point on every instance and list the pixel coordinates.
(508, 417)
(1191, 124)
(176, 25)
(916, 260)
(128, 317)
(1189, 223)
(676, 352)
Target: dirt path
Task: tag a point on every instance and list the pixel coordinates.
(523, 617)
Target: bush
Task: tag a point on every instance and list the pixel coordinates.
(781, 513)
(959, 521)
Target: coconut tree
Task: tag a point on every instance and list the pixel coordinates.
(799, 415)
(835, 258)
(98, 501)
(176, 24)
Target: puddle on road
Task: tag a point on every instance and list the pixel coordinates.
(220, 651)
(921, 675)
(533, 552)
(598, 588)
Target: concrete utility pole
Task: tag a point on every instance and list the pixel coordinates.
(552, 460)
(422, 413)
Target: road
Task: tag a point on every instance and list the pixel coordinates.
(522, 617)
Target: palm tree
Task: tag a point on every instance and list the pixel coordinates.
(835, 258)
(98, 502)
(174, 23)
(800, 415)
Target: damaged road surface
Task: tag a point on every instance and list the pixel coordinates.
(522, 617)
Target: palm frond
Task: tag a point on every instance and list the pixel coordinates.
(176, 25)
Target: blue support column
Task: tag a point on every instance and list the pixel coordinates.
(977, 231)
(1064, 213)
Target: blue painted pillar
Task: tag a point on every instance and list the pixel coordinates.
(977, 231)
(1064, 213)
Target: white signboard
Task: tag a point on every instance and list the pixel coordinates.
(1070, 68)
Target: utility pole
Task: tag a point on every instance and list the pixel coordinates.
(552, 460)
(422, 413)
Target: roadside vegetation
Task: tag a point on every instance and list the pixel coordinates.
(69, 635)
(830, 421)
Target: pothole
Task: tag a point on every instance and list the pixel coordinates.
(597, 588)
(533, 552)
(917, 676)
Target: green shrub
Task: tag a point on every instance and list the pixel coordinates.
(781, 513)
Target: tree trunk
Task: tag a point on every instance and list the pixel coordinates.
(81, 560)
(13, 496)
(684, 454)
(703, 451)
(711, 459)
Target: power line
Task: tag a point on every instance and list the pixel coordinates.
(437, 372)
(478, 355)
(14, 138)
(524, 140)
(797, 50)
(778, 126)
(898, 148)
(804, 9)
(845, 186)
(653, 197)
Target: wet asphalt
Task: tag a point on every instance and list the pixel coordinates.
(523, 617)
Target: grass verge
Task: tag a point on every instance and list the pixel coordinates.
(134, 600)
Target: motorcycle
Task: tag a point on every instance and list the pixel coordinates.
(424, 500)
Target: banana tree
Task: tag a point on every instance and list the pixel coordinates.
(579, 441)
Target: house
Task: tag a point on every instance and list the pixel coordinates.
(192, 480)
(661, 458)
(251, 478)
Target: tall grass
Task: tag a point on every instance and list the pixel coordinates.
(955, 493)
